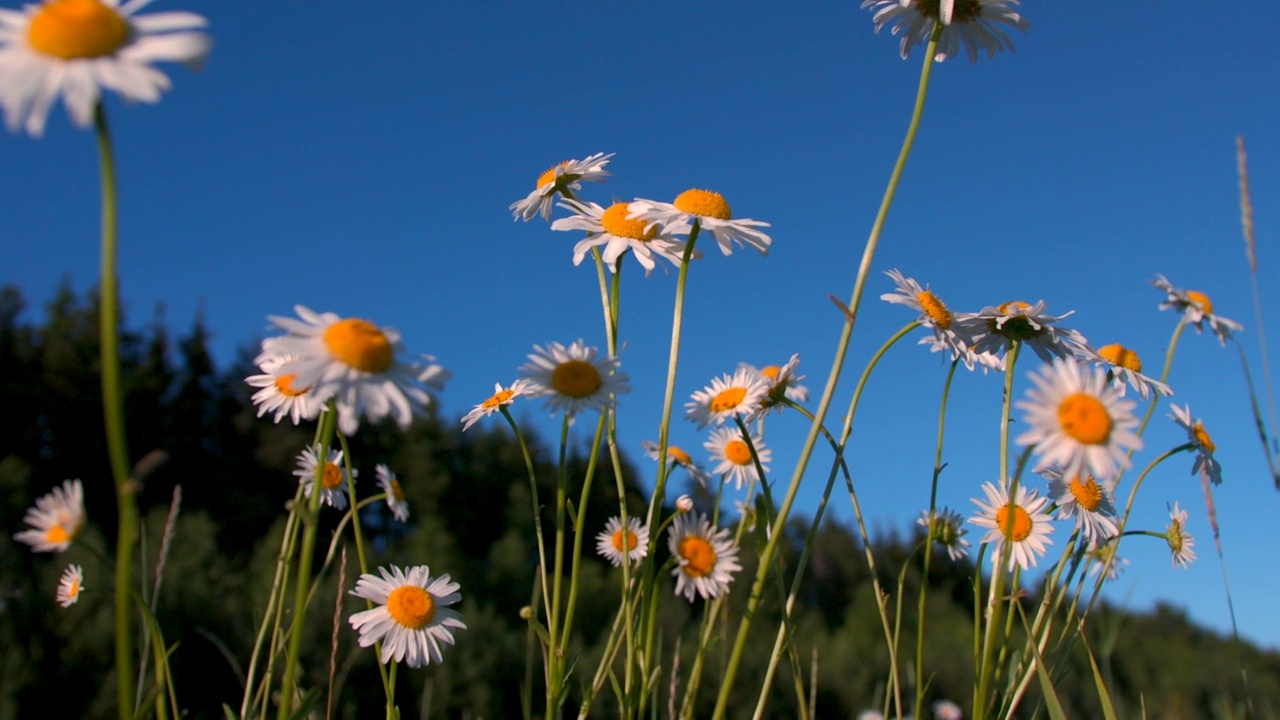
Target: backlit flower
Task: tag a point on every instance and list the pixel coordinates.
(56, 520)
(615, 541)
(729, 447)
(612, 228)
(70, 585)
(500, 398)
(1019, 528)
(706, 559)
(1180, 541)
(975, 24)
(1089, 501)
(412, 620)
(782, 381)
(574, 378)
(727, 397)
(1105, 558)
(948, 335)
(333, 477)
(1125, 367)
(1205, 464)
(395, 494)
(712, 214)
(994, 328)
(947, 530)
(1196, 309)
(560, 178)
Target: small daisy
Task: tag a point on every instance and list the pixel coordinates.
(1027, 533)
(76, 48)
(747, 511)
(1079, 422)
(994, 327)
(1205, 464)
(501, 397)
(1098, 559)
(56, 519)
(727, 397)
(1090, 502)
(712, 214)
(278, 393)
(1180, 542)
(612, 228)
(684, 504)
(573, 379)
(333, 479)
(947, 531)
(782, 384)
(870, 715)
(635, 538)
(395, 494)
(728, 446)
(948, 335)
(70, 586)
(975, 24)
(679, 457)
(947, 710)
(412, 620)
(707, 560)
(1125, 367)
(563, 177)
(1196, 309)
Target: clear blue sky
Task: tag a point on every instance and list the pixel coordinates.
(360, 159)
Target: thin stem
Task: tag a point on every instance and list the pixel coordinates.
(537, 509)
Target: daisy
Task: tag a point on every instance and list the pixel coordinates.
(1079, 422)
(947, 710)
(70, 586)
(712, 214)
(995, 327)
(333, 478)
(1205, 465)
(500, 398)
(395, 494)
(684, 504)
(947, 531)
(747, 511)
(728, 446)
(1090, 502)
(573, 379)
(613, 229)
(1125, 367)
(56, 519)
(870, 715)
(727, 397)
(1196, 309)
(1099, 557)
(278, 393)
(362, 367)
(782, 384)
(75, 48)
(948, 335)
(556, 181)
(1026, 533)
(976, 24)
(1180, 542)
(707, 560)
(411, 621)
(678, 456)
(635, 538)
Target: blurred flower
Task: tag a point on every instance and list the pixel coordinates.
(684, 504)
(278, 394)
(1099, 557)
(333, 478)
(995, 327)
(617, 233)
(707, 560)
(712, 214)
(56, 519)
(556, 181)
(870, 714)
(1088, 501)
(679, 457)
(947, 530)
(948, 335)
(573, 379)
(634, 538)
(501, 396)
(728, 446)
(395, 494)
(727, 397)
(1020, 525)
(1125, 366)
(1205, 465)
(1196, 309)
(947, 710)
(976, 24)
(1180, 542)
(782, 384)
(70, 585)
(412, 620)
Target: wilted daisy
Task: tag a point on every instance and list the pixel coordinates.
(1105, 557)
(333, 477)
(1205, 464)
(562, 177)
(677, 455)
(728, 446)
(362, 367)
(947, 710)
(947, 530)
(56, 519)
(712, 214)
(574, 379)
(1087, 500)
(1079, 422)
(395, 494)
(975, 24)
(76, 48)
(1125, 367)
(615, 541)
(1196, 309)
(994, 327)
(278, 392)
(412, 621)
(70, 585)
(612, 228)
(728, 396)
(1180, 542)
(1021, 525)
(501, 396)
(782, 381)
(707, 559)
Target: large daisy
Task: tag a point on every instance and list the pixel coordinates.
(1206, 464)
(706, 559)
(948, 335)
(1196, 309)
(616, 541)
(574, 378)
(333, 478)
(1180, 541)
(1089, 502)
(728, 396)
(728, 447)
(56, 520)
(975, 24)
(612, 228)
(1019, 525)
(994, 328)
(712, 214)
(502, 396)
(556, 181)
(1126, 367)
(411, 621)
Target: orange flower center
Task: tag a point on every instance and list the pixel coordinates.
(331, 477)
(699, 557)
(576, 378)
(625, 537)
(1118, 354)
(728, 399)
(397, 492)
(680, 456)
(1018, 326)
(499, 398)
(1200, 300)
(284, 385)
(550, 176)
(57, 534)
(359, 344)
(411, 606)
(771, 372)
(615, 222)
(1021, 522)
(935, 309)
(703, 202)
(1084, 418)
(737, 452)
(77, 29)
(1088, 494)
(1202, 437)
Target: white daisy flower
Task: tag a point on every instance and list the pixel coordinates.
(70, 585)
(684, 504)
(994, 327)
(1196, 309)
(1079, 422)
(611, 228)
(1205, 465)
(76, 48)
(947, 710)
(279, 395)
(870, 715)
(635, 540)
(333, 478)
(677, 455)
(395, 494)
(573, 379)
(782, 384)
(56, 519)
(947, 530)
(1098, 559)
(712, 214)
(728, 396)
(501, 397)
(1090, 502)
(948, 335)
(975, 24)
(1021, 526)
(362, 367)
(563, 177)
(1125, 367)
(707, 559)
(747, 511)
(412, 621)
(728, 446)
(1180, 541)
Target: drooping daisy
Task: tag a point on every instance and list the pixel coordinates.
(1205, 464)
(333, 478)
(1105, 557)
(395, 494)
(1020, 525)
(1088, 501)
(615, 541)
(712, 214)
(611, 228)
(1180, 541)
(501, 396)
(76, 48)
(364, 368)
(947, 530)
(1196, 309)
(278, 392)
(947, 710)
(782, 384)
(935, 315)
(553, 182)
(412, 621)
(1125, 367)
(1079, 422)
(975, 24)
(56, 520)
(728, 446)
(70, 586)
(707, 559)
(574, 379)
(994, 327)
(678, 456)
(728, 396)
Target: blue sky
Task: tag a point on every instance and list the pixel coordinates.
(360, 159)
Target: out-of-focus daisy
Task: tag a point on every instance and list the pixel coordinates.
(747, 511)
(712, 214)
(948, 335)
(70, 585)
(975, 24)
(678, 456)
(279, 394)
(1079, 422)
(1196, 309)
(56, 519)
(1180, 541)
(563, 177)
(1020, 526)
(395, 494)
(870, 715)
(615, 541)
(1087, 500)
(728, 396)
(1205, 464)
(501, 396)
(684, 504)
(994, 327)
(76, 48)
(947, 710)
(574, 378)
(707, 559)
(333, 477)
(947, 530)
(364, 368)
(612, 228)
(1125, 367)
(412, 620)
(782, 381)
(1098, 559)
(729, 448)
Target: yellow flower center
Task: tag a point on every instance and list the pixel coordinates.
(284, 385)
(699, 557)
(73, 589)
(550, 176)
(499, 398)
(737, 452)
(1088, 494)
(1013, 307)
(576, 378)
(1021, 522)
(1175, 536)
(331, 477)
(411, 606)
(1202, 437)
(397, 492)
(1200, 300)
(625, 537)
(680, 456)
(615, 222)
(771, 372)
(1084, 418)
(728, 399)
(57, 534)
(359, 344)
(1118, 354)
(703, 202)
(935, 309)
(76, 29)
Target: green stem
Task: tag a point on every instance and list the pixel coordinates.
(555, 658)
(537, 508)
